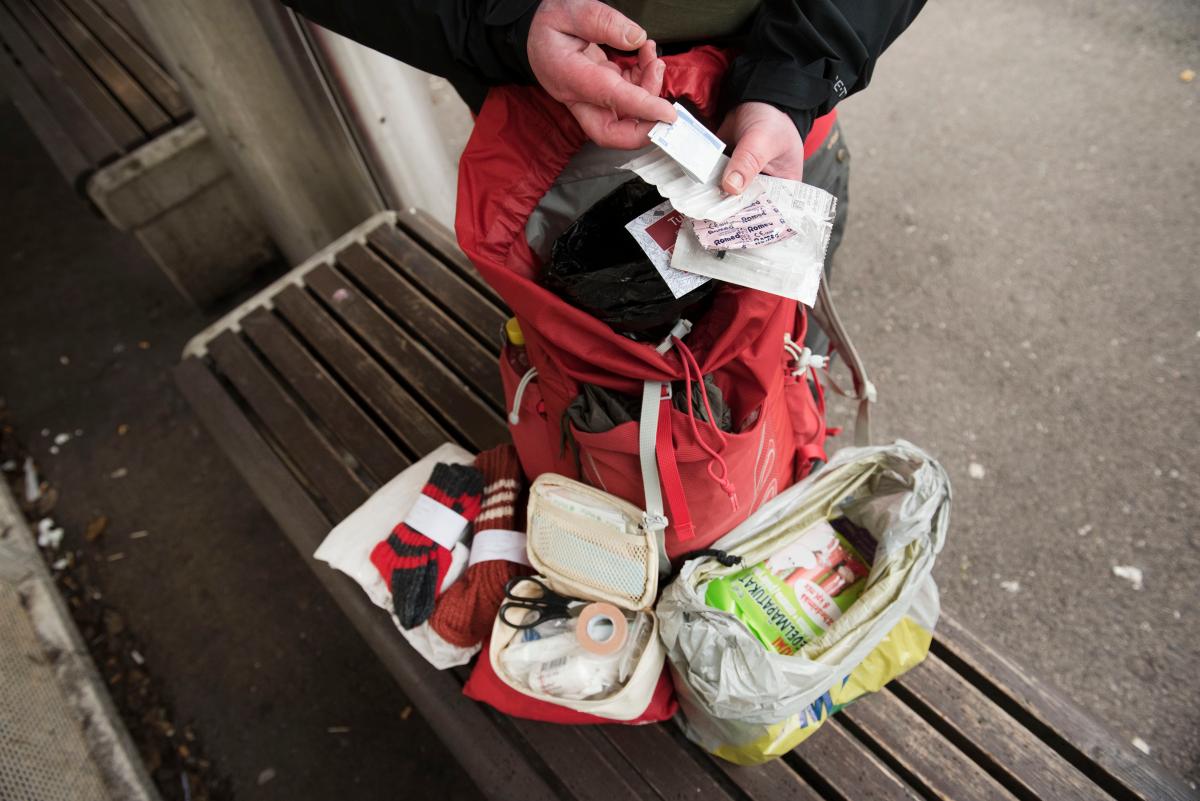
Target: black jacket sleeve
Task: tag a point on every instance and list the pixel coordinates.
(803, 56)
(462, 40)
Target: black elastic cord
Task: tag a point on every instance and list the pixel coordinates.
(727, 559)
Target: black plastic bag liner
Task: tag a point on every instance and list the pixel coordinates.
(596, 265)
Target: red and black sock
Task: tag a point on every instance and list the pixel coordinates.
(413, 565)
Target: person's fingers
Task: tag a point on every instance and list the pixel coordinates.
(652, 77)
(603, 128)
(755, 150)
(593, 21)
(647, 54)
(591, 83)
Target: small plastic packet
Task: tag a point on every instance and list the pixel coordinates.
(755, 226)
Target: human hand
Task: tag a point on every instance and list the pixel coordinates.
(765, 141)
(615, 107)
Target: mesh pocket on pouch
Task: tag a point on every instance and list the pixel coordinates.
(581, 552)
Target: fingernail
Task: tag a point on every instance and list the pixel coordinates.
(735, 180)
(633, 35)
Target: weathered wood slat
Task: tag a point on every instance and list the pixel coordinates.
(400, 412)
(421, 369)
(63, 151)
(586, 764)
(1024, 764)
(773, 780)
(108, 113)
(831, 758)
(663, 764)
(920, 754)
(1063, 726)
(294, 433)
(340, 415)
(75, 119)
(115, 78)
(418, 224)
(123, 15)
(134, 56)
(445, 286)
(501, 769)
(426, 322)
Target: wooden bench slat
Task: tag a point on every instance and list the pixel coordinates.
(445, 286)
(502, 769)
(426, 322)
(441, 242)
(112, 74)
(586, 764)
(924, 757)
(454, 403)
(108, 113)
(1066, 728)
(832, 758)
(68, 110)
(295, 435)
(773, 780)
(123, 15)
(134, 56)
(340, 415)
(663, 763)
(973, 722)
(399, 411)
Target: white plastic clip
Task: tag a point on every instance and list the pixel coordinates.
(681, 329)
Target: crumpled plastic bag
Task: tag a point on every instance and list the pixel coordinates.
(748, 704)
(596, 265)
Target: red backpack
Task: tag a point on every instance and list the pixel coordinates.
(711, 480)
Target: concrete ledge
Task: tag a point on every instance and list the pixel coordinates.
(60, 735)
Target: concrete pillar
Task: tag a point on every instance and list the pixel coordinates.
(411, 137)
(246, 70)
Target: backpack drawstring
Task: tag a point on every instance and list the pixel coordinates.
(514, 416)
(715, 458)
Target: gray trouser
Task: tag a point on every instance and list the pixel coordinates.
(829, 168)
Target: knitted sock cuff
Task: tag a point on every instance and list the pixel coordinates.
(502, 488)
(457, 487)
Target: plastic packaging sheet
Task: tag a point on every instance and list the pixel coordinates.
(748, 704)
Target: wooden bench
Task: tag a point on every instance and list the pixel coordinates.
(84, 76)
(383, 346)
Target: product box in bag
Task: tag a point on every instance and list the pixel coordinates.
(760, 663)
(603, 660)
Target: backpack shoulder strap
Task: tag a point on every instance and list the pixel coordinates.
(826, 315)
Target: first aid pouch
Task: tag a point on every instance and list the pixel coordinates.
(749, 701)
(591, 546)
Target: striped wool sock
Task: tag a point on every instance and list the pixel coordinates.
(465, 612)
(414, 565)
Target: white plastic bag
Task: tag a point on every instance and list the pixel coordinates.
(748, 704)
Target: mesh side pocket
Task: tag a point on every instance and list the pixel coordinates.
(610, 563)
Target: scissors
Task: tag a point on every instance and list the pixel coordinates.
(544, 602)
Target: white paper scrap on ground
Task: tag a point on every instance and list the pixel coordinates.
(656, 232)
(696, 149)
(695, 199)
(791, 268)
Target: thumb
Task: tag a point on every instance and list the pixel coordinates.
(595, 22)
(754, 150)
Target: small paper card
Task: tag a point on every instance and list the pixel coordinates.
(656, 232)
(694, 147)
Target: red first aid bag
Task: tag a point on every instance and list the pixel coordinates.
(519, 185)
(519, 169)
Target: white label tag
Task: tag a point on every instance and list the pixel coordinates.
(440, 523)
(686, 140)
(498, 544)
(656, 231)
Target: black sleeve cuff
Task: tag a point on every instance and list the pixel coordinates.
(508, 29)
(801, 92)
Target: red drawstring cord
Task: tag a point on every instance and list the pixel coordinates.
(690, 363)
